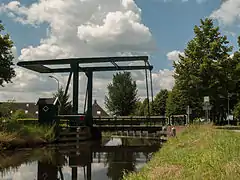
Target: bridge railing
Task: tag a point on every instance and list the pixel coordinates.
(130, 120)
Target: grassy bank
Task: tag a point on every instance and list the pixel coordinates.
(13, 135)
(200, 152)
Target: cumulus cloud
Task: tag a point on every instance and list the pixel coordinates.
(228, 13)
(77, 29)
(174, 55)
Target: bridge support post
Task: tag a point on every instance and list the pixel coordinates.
(89, 120)
(75, 71)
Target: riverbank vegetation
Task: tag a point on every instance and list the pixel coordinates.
(14, 135)
(200, 152)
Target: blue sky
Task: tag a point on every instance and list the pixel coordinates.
(171, 24)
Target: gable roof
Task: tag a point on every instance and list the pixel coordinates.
(52, 101)
(96, 108)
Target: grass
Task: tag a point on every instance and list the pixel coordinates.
(200, 152)
(14, 134)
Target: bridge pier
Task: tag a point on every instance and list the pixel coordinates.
(96, 134)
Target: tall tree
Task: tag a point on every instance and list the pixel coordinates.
(235, 85)
(122, 95)
(175, 104)
(201, 72)
(65, 104)
(159, 103)
(6, 57)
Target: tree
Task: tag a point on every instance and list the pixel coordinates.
(122, 95)
(6, 57)
(159, 103)
(235, 85)
(202, 71)
(137, 111)
(5, 109)
(65, 104)
(175, 104)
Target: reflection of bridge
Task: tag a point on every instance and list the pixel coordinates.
(83, 155)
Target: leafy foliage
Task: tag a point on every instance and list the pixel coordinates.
(65, 104)
(206, 69)
(122, 95)
(20, 114)
(5, 109)
(6, 57)
(159, 103)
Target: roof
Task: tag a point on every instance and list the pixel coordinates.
(96, 108)
(29, 107)
(52, 101)
(42, 66)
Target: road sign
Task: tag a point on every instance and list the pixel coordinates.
(206, 99)
(230, 117)
(189, 110)
(207, 107)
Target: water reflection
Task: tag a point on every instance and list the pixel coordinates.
(88, 161)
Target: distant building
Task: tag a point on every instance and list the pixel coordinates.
(97, 110)
(32, 109)
(28, 107)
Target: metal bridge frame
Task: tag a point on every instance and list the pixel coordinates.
(40, 66)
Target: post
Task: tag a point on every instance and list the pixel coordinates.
(68, 82)
(89, 90)
(74, 173)
(188, 113)
(74, 68)
(228, 110)
(146, 76)
(56, 80)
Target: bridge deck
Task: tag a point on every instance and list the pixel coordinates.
(129, 128)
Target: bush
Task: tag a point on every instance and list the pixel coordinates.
(20, 114)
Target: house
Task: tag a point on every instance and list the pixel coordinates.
(97, 110)
(32, 108)
(28, 107)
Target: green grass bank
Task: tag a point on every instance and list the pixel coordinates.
(16, 135)
(199, 152)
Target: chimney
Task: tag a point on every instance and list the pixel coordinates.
(95, 101)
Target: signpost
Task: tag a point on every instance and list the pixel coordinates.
(206, 106)
(189, 111)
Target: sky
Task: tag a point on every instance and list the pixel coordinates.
(51, 29)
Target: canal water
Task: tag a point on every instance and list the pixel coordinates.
(104, 160)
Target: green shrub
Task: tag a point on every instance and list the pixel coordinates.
(20, 114)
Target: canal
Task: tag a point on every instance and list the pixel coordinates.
(104, 160)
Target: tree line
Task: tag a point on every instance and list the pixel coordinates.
(209, 67)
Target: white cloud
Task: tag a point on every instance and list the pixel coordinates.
(78, 28)
(174, 55)
(228, 13)
(163, 79)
